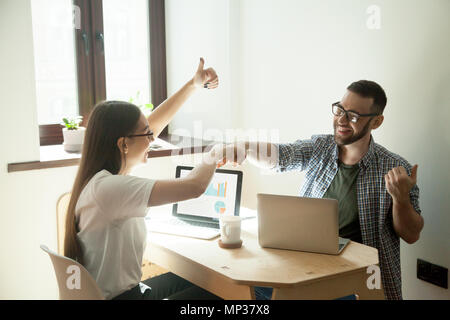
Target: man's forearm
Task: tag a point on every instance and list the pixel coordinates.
(407, 222)
(262, 154)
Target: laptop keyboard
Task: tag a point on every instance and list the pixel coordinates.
(191, 229)
(179, 222)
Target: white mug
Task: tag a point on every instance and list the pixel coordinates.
(230, 229)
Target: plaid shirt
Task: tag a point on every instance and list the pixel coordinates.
(319, 157)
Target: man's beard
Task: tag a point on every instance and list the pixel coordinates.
(341, 141)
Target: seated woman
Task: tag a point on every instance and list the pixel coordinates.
(105, 228)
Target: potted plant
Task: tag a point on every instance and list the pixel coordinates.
(73, 134)
(146, 108)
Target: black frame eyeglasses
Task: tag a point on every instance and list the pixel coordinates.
(351, 116)
(148, 135)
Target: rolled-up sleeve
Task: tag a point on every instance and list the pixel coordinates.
(294, 156)
(414, 198)
(414, 192)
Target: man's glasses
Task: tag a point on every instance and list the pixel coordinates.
(352, 116)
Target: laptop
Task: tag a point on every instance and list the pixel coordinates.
(297, 223)
(199, 218)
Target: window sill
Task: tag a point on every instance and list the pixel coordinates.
(164, 146)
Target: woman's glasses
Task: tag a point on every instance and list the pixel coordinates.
(148, 135)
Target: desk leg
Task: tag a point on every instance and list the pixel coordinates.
(200, 275)
(337, 287)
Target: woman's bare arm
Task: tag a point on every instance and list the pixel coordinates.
(165, 112)
(189, 187)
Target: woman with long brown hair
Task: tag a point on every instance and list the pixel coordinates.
(105, 228)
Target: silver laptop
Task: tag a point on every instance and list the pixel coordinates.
(297, 223)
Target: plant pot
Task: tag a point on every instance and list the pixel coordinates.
(73, 139)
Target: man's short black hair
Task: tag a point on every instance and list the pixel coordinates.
(370, 89)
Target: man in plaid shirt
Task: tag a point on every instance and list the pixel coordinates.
(375, 188)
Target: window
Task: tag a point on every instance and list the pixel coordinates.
(126, 49)
(56, 78)
(91, 50)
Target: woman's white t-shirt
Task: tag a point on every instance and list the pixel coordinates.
(110, 213)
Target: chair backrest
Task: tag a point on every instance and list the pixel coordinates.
(74, 281)
(61, 211)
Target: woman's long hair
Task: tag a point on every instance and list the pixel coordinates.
(109, 121)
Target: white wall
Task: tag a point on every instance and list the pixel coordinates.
(299, 57)
(281, 63)
(291, 59)
(23, 213)
(194, 29)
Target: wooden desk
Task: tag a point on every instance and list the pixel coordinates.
(232, 273)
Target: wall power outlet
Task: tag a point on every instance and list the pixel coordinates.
(432, 273)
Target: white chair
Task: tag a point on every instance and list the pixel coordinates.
(61, 211)
(74, 281)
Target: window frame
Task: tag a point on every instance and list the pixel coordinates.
(91, 78)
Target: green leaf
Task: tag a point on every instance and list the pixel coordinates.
(72, 123)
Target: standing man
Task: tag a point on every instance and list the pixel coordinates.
(376, 189)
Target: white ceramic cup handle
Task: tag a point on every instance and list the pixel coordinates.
(225, 230)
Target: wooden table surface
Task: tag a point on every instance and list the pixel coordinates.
(252, 265)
